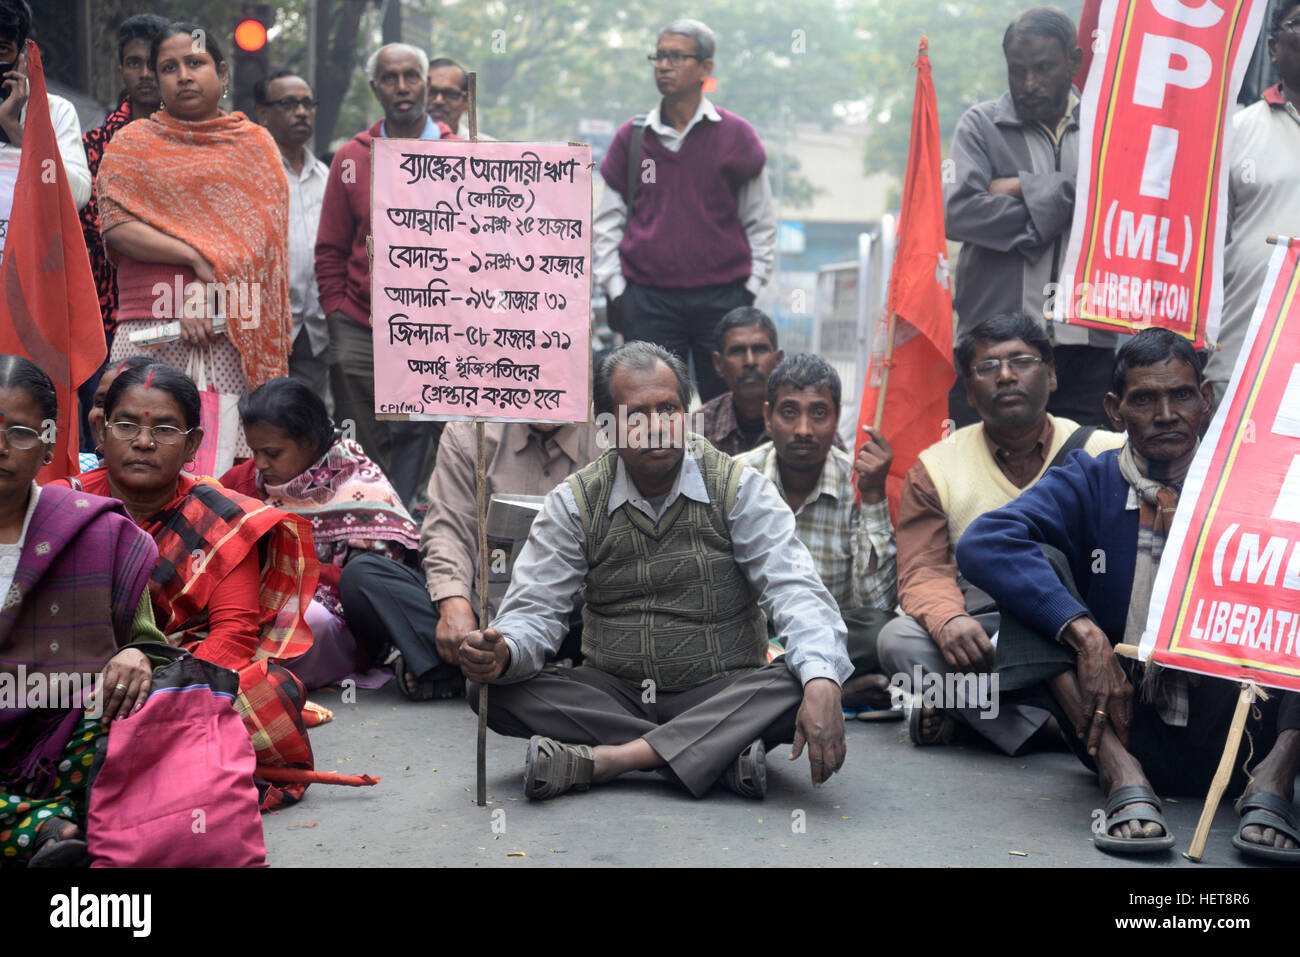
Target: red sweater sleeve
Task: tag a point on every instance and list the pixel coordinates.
(233, 632)
(335, 234)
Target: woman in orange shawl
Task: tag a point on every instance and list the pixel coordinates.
(234, 575)
(194, 193)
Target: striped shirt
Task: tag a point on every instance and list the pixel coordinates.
(852, 545)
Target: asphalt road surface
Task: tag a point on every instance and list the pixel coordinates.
(891, 805)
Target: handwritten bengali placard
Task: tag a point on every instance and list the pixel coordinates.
(480, 280)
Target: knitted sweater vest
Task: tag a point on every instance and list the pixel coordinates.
(666, 601)
(968, 479)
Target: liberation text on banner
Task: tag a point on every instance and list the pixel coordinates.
(1146, 243)
(480, 280)
(1226, 600)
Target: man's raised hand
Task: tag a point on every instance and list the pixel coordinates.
(872, 465)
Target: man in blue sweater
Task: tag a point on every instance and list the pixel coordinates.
(1072, 562)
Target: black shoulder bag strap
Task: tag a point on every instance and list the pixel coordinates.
(1077, 440)
(634, 161)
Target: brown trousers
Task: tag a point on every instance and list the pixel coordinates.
(698, 732)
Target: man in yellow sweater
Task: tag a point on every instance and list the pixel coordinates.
(941, 648)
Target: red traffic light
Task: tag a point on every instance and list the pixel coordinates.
(250, 36)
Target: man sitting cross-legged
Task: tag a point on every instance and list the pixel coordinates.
(1072, 562)
(1007, 364)
(679, 551)
(852, 544)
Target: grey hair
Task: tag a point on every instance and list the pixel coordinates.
(639, 356)
(699, 34)
(372, 63)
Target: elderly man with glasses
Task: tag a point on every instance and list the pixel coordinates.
(449, 96)
(287, 108)
(686, 228)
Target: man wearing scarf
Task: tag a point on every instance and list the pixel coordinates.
(1071, 563)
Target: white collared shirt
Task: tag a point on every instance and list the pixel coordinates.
(306, 193)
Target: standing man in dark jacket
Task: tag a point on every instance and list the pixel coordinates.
(1011, 205)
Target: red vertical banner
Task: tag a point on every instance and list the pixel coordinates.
(49, 308)
(920, 299)
(1146, 244)
(1226, 600)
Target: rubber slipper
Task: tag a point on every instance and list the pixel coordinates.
(1264, 809)
(1137, 797)
(52, 850)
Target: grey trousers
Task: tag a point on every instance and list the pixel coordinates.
(401, 449)
(698, 732)
(312, 369)
(904, 644)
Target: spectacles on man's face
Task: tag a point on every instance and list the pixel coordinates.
(991, 368)
(390, 81)
(288, 103)
(162, 434)
(20, 437)
(674, 57)
(450, 94)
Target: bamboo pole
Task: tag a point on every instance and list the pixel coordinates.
(885, 366)
(1224, 772)
(480, 475)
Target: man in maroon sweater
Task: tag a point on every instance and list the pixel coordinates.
(698, 240)
(398, 77)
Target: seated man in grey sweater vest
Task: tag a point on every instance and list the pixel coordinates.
(678, 552)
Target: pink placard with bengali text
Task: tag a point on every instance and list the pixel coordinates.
(481, 280)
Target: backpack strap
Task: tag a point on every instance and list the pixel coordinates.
(1078, 438)
(634, 160)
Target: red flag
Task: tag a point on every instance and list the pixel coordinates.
(49, 309)
(921, 369)
(1087, 25)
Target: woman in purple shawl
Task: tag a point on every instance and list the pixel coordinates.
(73, 571)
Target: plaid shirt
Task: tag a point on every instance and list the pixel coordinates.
(852, 546)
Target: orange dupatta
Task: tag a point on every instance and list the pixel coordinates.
(220, 186)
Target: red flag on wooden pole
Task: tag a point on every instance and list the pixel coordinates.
(906, 392)
(49, 309)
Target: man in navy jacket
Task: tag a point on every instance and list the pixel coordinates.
(1071, 563)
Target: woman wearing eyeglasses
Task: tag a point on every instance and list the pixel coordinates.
(73, 571)
(194, 210)
(234, 575)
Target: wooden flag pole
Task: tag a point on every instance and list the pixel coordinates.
(884, 369)
(1224, 772)
(480, 475)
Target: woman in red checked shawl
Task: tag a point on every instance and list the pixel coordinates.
(234, 575)
(300, 465)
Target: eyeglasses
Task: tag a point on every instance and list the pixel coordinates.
(989, 368)
(389, 81)
(674, 57)
(21, 438)
(162, 434)
(289, 104)
(450, 95)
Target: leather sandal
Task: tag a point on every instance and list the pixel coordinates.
(747, 775)
(551, 768)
